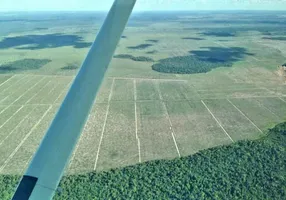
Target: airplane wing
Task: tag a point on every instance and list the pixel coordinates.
(48, 164)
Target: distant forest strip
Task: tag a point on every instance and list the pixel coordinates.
(139, 58)
(242, 170)
(281, 38)
(22, 65)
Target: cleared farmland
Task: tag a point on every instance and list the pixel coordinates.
(133, 120)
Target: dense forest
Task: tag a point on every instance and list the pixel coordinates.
(22, 65)
(134, 58)
(242, 170)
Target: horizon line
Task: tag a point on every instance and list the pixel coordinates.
(203, 10)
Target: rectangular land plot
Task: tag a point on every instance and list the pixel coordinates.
(19, 134)
(22, 157)
(42, 93)
(119, 145)
(104, 91)
(22, 89)
(6, 114)
(194, 127)
(59, 84)
(175, 90)
(8, 81)
(275, 105)
(123, 90)
(15, 87)
(154, 132)
(86, 152)
(234, 93)
(32, 91)
(237, 125)
(16, 116)
(146, 90)
(258, 113)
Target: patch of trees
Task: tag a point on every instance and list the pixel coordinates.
(242, 170)
(70, 67)
(138, 58)
(152, 40)
(151, 52)
(192, 38)
(201, 61)
(140, 46)
(24, 64)
(219, 34)
(281, 38)
(187, 65)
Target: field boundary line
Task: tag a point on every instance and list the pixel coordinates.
(12, 116)
(9, 105)
(50, 92)
(12, 84)
(147, 79)
(217, 121)
(24, 139)
(266, 108)
(159, 91)
(64, 89)
(245, 116)
(170, 123)
(49, 75)
(78, 143)
(104, 125)
(171, 129)
(29, 90)
(7, 80)
(30, 99)
(282, 99)
(14, 92)
(136, 120)
(16, 126)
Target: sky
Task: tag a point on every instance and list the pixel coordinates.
(141, 5)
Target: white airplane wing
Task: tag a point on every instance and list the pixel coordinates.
(48, 164)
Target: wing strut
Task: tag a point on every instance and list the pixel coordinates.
(48, 164)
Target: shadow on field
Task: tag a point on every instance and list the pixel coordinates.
(24, 64)
(201, 61)
(221, 54)
(35, 42)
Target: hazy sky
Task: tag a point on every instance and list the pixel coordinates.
(53, 5)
